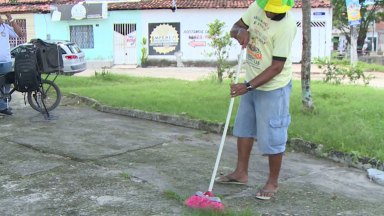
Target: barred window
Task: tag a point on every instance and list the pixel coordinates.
(20, 40)
(82, 35)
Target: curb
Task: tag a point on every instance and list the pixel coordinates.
(350, 159)
(312, 73)
(157, 117)
(296, 144)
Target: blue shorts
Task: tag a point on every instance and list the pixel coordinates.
(264, 115)
(5, 67)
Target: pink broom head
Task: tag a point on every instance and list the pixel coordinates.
(205, 201)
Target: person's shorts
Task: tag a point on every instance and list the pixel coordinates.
(5, 67)
(264, 115)
(6, 76)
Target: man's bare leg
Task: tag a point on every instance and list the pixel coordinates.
(244, 147)
(274, 170)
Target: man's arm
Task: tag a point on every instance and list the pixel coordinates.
(272, 71)
(240, 32)
(14, 25)
(282, 44)
(238, 26)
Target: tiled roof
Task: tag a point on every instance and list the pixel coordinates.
(33, 1)
(181, 4)
(315, 4)
(191, 4)
(33, 6)
(24, 8)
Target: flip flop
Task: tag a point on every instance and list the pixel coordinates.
(231, 181)
(262, 191)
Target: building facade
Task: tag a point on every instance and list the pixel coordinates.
(104, 41)
(27, 24)
(173, 34)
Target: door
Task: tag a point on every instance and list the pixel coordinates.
(297, 45)
(124, 44)
(319, 43)
(318, 37)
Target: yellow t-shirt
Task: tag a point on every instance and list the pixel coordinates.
(268, 38)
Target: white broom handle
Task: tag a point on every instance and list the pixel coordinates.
(226, 125)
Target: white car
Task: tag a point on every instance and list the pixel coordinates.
(73, 57)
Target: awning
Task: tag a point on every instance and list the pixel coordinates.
(335, 40)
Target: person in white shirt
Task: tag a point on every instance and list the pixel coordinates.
(7, 31)
(365, 47)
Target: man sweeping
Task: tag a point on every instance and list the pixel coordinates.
(266, 31)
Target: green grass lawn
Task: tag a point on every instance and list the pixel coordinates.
(347, 117)
(363, 65)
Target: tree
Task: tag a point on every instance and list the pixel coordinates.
(220, 44)
(12, 2)
(369, 13)
(144, 53)
(306, 95)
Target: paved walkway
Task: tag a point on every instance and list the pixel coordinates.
(91, 163)
(188, 73)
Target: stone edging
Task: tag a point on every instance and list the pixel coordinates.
(296, 143)
(158, 117)
(346, 158)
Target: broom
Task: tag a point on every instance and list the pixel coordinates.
(207, 200)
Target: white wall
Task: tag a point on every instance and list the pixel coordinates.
(196, 19)
(328, 20)
(193, 19)
(369, 34)
(321, 37)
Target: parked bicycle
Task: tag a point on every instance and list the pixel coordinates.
(44, 95)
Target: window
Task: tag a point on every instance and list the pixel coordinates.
(19, 49)
(124, 29)
(314, 24)
(20, 40)
(63, 51)
(318, 24)
(82, 36)
(74, 48)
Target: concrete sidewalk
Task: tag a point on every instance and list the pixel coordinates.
(93, 163)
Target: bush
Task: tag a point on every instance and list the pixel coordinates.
(337, 70)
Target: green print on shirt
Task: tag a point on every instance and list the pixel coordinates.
(259, 36)
(258, 21)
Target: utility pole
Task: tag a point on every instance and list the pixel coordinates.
(354, 19)
(373, 36)
(354, 58)
(372, 3)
